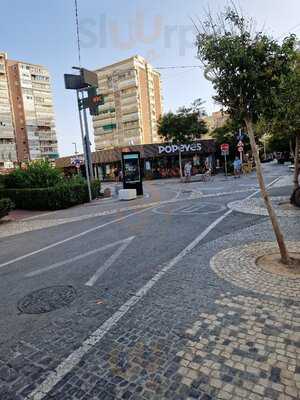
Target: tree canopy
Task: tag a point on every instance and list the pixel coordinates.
(246, 68)
(184, 126)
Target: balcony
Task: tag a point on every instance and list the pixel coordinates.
(127, 83)
(131, 117)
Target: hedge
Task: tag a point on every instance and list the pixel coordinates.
(64, 195)
(6, 206)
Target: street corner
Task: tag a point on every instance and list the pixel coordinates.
(256, 206)
(248, 349)
(239, 266)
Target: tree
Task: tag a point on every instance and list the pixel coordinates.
(184, 126)
(246, 69)
(288, 116)
(227, 134)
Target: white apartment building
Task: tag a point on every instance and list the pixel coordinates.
(132, 107)
(8, 153)
(34, 115)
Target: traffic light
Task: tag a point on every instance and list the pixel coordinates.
(94, 100)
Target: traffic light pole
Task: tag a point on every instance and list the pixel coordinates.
(84, 148)
(87, 141)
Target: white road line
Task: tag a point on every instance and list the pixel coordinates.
(109, 262)
(145, 207)
(74, 259)
(74, 358)
(50, 246)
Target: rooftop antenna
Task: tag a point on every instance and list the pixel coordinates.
(77, 32)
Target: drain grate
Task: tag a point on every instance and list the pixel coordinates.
(47, 299)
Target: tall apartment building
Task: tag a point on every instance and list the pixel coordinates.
(7, 135)
(132, 107)
(27, 129)
(33, 111)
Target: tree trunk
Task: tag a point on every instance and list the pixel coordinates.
(285, 259)
(296, 161)
(291, 147)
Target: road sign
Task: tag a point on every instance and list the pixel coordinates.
(240, 149)
(240, 144)
(225, 147)
(225, 153)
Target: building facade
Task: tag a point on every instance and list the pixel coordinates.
(27, 128)
(132, 104)
(216, 120)
(157, 160)
(8, 155)
(32, 105)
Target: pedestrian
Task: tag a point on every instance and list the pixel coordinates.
(187, 171)
(116, 174)
(120, 175)
(237, 165)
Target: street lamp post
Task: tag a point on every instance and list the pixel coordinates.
(84, 149)
(85, 82)
(75, 145)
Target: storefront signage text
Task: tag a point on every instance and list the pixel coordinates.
(173, 148)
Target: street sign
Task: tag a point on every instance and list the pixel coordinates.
(77, 161)
(84, 80)
(90, 78)
(240, 149)
(225, 153)
(224, 147)
(240, 144)
(240, 135)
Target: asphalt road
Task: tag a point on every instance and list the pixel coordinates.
(105, 260)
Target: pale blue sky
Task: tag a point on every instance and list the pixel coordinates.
(43, 32)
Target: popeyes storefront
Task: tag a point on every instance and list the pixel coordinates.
(157, 160)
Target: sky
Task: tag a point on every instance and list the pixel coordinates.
(44, 32)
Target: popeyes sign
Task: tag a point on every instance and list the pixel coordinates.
(173, 148)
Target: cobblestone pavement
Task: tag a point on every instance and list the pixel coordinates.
(257, 206)
(237, 265)
(194, 336)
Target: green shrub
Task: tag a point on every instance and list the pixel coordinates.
(5, 207)
(38, 174)
(2, 181)
(68, 193)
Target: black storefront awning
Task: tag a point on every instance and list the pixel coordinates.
(147, 151)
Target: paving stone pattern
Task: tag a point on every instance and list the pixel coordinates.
(250, 349)
(256, 206)
(237, 265)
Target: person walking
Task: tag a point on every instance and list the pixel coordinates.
(187, 171)
(116, 174)
(237, 166)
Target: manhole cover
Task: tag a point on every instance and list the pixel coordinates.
(47, 299)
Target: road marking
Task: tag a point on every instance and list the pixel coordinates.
(145, 207)
(74, 259)
(109, 262)
(74, 358)
(50, 246)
